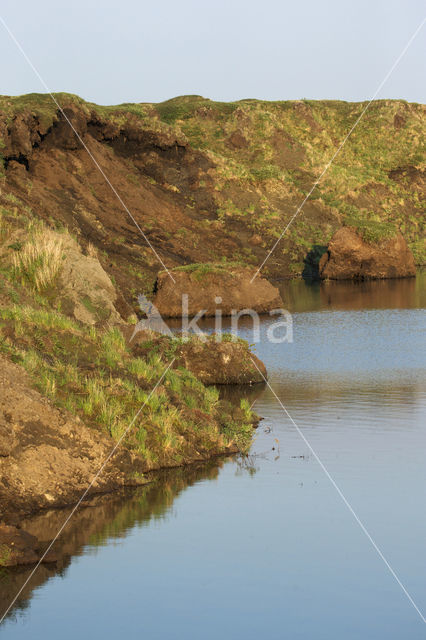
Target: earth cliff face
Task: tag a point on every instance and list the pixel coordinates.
(212, 288)
(349, 257)
(48, 457)
(206, 180)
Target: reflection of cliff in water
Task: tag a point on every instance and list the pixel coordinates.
(399, 293)
(103, 518)
(235, 392)
(316, 393)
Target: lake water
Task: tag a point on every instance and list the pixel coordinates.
(267, 547)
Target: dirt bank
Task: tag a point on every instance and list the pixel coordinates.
(206, 180)
(224, 362)
(214, 288)
(350, 257)
(48, 457)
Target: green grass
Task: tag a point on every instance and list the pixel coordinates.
(39, 260)
(92, 373)
(200, 270)
(370, 229)
(257, 186)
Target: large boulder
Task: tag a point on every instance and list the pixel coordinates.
(211, 287)
(350, 257)
(86, 290)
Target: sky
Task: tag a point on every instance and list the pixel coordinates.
(112, 51)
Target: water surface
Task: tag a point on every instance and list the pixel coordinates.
(267, 548)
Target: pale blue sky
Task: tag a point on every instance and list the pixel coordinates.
(136, 51)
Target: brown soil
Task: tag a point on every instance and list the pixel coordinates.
(221, 363)
(171, 189)
(226, 289)
(157, 175)
(349, 257)
(48, 457)
(210, 361)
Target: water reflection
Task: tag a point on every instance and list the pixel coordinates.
(400, 293)
(275, 553)
(105, 518)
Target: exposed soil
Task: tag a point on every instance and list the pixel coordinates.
(48, 457)
(228, 289)
(169, 163)
(199, 182)
(349, 257)
(218, 363)
(221, 363)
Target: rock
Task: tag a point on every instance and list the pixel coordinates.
(213, 287)
(87, 291)
(349, 257)
(221, 362)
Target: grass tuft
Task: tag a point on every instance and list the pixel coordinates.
(39, 261)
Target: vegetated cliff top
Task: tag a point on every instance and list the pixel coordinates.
(210, 181)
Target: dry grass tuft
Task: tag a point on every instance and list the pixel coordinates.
(40, 259)
(91, 250)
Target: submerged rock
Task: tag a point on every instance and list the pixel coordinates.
(213, 287)
(350, 257)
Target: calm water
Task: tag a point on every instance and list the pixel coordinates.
(268, 549)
